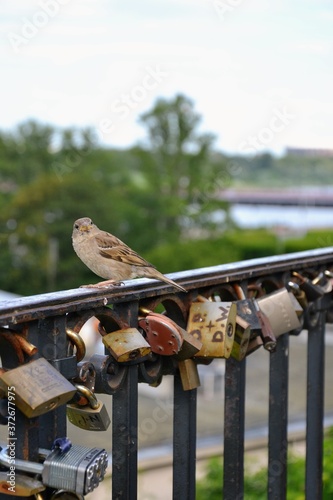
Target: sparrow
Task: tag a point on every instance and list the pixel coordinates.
(110, 258)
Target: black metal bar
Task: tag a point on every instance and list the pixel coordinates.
(125, 438)
(315, 408)
(184, 441)
(278, 420)
(234, 421)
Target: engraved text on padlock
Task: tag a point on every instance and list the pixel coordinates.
(213, 323)
(39, 387)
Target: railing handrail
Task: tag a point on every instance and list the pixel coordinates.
(34, 307)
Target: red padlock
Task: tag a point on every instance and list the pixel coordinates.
(162, 334)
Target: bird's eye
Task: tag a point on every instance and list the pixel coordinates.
(76, 226)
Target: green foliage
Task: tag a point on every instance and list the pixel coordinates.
(232, 246)
(210, 487)
(255, 484)
(313, 239)
(268, 171)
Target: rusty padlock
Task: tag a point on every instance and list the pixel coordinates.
(126, 345)
(189, 344)
(213, 324)
(247, 310)
(266, 333)
(162, 334)
(254, 344)
(38, 387)
(312, 291)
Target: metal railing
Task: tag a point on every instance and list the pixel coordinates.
(43, 321)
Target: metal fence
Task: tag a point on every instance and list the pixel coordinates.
(46, 322)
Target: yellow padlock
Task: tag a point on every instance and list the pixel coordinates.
(213, 324)
(126, 345)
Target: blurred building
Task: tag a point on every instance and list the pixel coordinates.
(309, 152)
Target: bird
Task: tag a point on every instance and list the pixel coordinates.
(110, 258)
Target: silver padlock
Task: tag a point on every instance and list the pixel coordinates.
(80, 469)
(280, 311)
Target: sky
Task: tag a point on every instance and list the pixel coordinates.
(258, 71)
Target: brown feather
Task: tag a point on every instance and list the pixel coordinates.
(113, 248)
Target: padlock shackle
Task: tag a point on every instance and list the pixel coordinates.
(89, 395)
(22, 465)
(77, 341)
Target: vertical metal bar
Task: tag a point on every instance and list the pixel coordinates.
(125, 438)
(184, 441)
(278, 420)
(315, 408)
(51, 340)
(234, 418)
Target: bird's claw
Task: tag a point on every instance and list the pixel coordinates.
(103, 284)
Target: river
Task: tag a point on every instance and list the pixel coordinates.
(300, 217)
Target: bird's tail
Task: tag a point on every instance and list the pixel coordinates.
(161, 277)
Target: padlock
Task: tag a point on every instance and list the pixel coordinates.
(324, 281)
(279, 309)
(296, 304)
(299, 295)
(80, 469)
(213, 323)
(64, 495)
(39, 387)
(189, 375)
(190, 346)
(261, 333)
(266, 333)
(162, 334)
(312, 292)
(241, 340)
(86, 374)
(126, 345)
(254, 344)
(77, 341)
(91, 417)
(247, 310)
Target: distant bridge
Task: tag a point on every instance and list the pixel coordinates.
(320, 197)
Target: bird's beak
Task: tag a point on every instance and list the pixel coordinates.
(85, 228)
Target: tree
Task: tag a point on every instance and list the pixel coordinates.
(178, 165)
